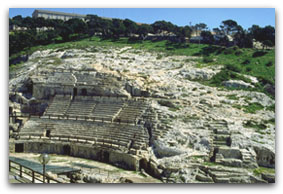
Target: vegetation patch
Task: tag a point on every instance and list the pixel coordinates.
(13, 68)
(189, 118)
(262, 170)
(159, 56)
(237, 106)
(259, 53)
(252, 124)
(232, 97)
(271, 108)
(253, 108)
(207, 59)
(174, 109)
(270, 121)
(269, 64)
(245, 62)
(225, 75)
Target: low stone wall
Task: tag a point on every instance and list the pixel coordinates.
(123, 160)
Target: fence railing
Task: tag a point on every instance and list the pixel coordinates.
(30, 174)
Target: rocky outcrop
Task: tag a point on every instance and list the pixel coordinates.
(161, 150)
(265, 157)
(237, 84)
(198, 74)
(197, 131)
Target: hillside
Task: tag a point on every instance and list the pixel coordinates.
(205, 96)
(246, 61)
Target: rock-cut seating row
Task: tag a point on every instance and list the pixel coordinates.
(59, 105)
(119, 135)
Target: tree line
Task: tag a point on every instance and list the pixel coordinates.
(75, 29)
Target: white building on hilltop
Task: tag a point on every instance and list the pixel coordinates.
(56, 15)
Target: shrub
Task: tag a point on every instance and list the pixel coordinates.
(223, 75)
(194, 89)
(269, 64)
(248, 69)
(245, 62)
(207, 59)
(233, 68)
(239, 52)
(259, 53)
(235, 48)
(220, 50)
(228, 51)
(252, 124)
(264, 81)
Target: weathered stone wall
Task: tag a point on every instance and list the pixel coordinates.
(123, 160)
(42, 91)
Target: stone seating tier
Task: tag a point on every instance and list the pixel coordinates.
(79, 130)
(83, 108)
(95, 107)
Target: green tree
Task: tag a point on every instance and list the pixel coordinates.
(207, 37)
(95, 24)
(18, 20)
(143, 30)
(183, 32)
(160, 26)
(77, 25)
(267, 43)
(131, 27)
(229, 27)
(118, 28)
(263, 34)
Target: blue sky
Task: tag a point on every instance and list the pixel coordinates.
(246, 17)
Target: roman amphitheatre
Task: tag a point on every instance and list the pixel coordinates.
(140, 116)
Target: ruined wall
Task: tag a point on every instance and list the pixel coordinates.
(42, 91)
(122, 160)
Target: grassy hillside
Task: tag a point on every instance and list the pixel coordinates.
(258, 63)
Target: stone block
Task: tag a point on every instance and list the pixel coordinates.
(203, 178)
(231, 162)
(230, 153)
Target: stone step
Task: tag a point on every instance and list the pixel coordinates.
(221, 137)
(219, 142)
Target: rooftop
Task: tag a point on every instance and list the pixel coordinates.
(58, 13)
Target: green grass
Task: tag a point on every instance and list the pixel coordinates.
(13, 67)
(237, 106)
(250, 108)
(261, 170)
(232, 97)
(253, 108)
